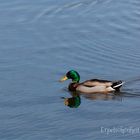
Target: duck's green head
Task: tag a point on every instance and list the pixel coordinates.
(72, 74)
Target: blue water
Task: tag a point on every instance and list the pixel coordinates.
(40, 41)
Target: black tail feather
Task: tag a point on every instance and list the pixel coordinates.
(117, 85)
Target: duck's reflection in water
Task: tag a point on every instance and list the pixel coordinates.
(101, 96)
(74, 101)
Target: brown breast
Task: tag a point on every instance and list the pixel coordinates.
(73, 86)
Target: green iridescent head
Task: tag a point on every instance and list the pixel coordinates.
(72, 74)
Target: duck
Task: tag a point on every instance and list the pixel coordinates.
(92, 85)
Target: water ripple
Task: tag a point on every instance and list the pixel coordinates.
(41, 40)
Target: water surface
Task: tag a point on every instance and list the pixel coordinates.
(41, 40)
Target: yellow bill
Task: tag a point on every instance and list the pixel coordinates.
(64, 79)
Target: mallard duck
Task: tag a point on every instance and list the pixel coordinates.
(91, 86)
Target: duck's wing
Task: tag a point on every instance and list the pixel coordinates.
(97, 82)
(99, 86)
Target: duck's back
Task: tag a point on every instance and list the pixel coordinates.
(97, 82)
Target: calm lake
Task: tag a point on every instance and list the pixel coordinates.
(40, 40)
